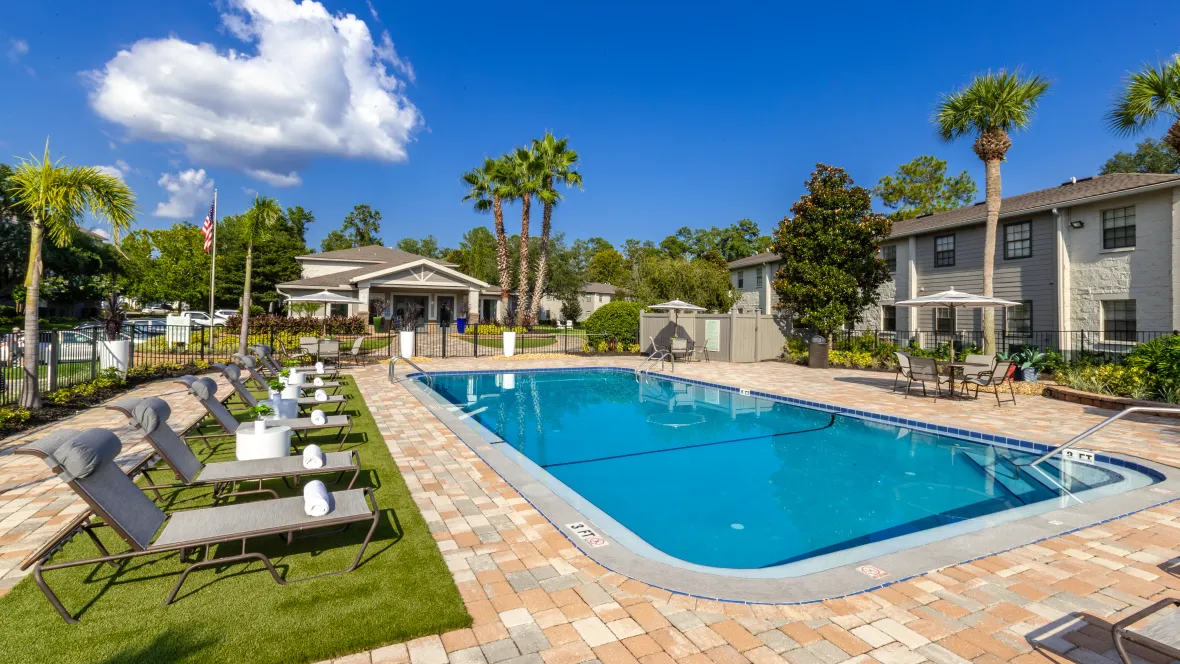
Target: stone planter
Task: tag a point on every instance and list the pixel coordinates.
(1105, 401)
(405, 340)
(509, 344)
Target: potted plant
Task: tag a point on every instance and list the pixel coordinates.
(116, 346)
(1029, 361)
(407, 323)
(259, 413)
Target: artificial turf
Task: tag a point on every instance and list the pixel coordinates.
(402, 589)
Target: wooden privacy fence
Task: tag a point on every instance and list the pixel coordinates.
(731, 337)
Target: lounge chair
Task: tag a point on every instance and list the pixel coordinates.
(268, 361)
(903, 370)
(924, 370)
(150, 415)
(1162, 635)
(995, 379)
(85, 461)
(357, 353)
(234, 375)
(205, 390)
(252, 367)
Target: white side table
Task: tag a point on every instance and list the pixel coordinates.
(272, 443)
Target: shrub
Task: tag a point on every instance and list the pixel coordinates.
(616, 320)
(269, 323)
(13, 416)
(491, 330)
(1160, 359)
(1113, 379)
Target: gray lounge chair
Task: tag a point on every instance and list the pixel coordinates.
(252, 368)
(85, 461)
(1002, 373)
(357, 353)
(150, 415)
(1162, 635)
(234, 375)
(270, 363)
(205, 390)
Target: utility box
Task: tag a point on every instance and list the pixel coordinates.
(817, 353)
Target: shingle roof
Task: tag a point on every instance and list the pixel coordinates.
(1069, 192)
(756, 259)
(597, 287)
(373, 253)
(334, 280)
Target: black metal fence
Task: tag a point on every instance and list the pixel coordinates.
(1073, 345)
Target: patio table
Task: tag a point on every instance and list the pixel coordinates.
(951, 369)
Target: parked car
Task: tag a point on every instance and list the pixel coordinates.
(199, 318)
(222, 315)
(157, 309)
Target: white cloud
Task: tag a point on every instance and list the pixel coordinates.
(101, 232)
(186, 191)
(112, 170)
(318, 84)
(291, 179)
(17, 49)
(372, 10)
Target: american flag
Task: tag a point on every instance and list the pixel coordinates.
(207, 229)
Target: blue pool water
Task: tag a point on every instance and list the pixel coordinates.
(721, 479)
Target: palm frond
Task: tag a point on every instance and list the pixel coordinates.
(994, 101)
(1148, 93)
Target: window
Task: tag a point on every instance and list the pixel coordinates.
(1018, 240)
(889, 253)
(338, 310)
(943, 322)
(1118, 228)
(758, 278)
(1118, 320)
(1018, 319)
(889, 318)
(741, 279)
(944, 251)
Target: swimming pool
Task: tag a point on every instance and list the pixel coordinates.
(711, 478)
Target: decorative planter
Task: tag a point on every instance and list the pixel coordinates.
(295, 378)
(271, 443)
(285, 409)
(1028, 375)
(115, 355)
(259, 426)
(405, 340)
(509, 344)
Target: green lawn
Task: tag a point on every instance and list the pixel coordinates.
(402, 590)
(527, 342)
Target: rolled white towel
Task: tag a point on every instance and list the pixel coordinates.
(318, 417)
(318, 381)
(319, 367)
(316, 500)
(313, 457)
(321, 395)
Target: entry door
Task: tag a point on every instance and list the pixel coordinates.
(488, 310)
(446, 310)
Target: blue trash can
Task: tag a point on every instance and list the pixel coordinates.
(461, 325)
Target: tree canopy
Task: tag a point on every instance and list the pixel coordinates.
(1150, 156)
(427, 246)
(922, 186)
(831, 269)
(360, 228)
(738, 240)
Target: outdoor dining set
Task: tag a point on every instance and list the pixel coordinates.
(975, 371)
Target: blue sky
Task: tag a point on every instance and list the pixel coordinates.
(684, 113)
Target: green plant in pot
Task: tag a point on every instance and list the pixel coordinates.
(1029, 362)
(259, 411)
(275, 385)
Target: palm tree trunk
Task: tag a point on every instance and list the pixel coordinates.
(244, 335)
(992, 167)
(522, 290)
(30, 396)
(1172, 138)
(502, 260)
(543, 260)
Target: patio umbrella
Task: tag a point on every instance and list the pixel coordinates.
(325, 297)
(955, 299)
(676, 306)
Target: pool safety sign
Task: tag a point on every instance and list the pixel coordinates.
(587, 534)
(872, 572)
(1074, 454)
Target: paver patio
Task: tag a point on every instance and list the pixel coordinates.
(536, 598)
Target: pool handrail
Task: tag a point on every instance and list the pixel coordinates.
(393, 369)
(658, 355)
(1094, 429)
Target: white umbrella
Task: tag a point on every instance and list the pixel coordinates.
(326, 297)
(676, 306)
(954, 299)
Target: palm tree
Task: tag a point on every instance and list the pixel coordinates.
(263, 215)
(557, 164)
(523, 180)
(989, 108)
(1149, 94)
(486, 188)
(54, 198)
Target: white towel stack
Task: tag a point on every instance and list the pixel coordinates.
(319, 367)
(321, 395)
(318, 381)
(316, 501)
(313, 457)
(318, 417)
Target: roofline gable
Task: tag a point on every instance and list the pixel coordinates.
(422, 261)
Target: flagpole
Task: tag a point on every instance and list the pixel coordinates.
(213, 262)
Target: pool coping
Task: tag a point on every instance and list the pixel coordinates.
(832, 583)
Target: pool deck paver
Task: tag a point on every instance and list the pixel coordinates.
(536, 599)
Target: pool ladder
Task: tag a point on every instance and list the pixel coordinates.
(1094, 429)
(393, 369)
(657, 355)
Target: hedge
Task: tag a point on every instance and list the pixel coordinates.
(616, 320)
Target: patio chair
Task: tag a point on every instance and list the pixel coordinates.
(1003, 372)
(328, 351)
(205, 390)
(85, 461)
(1162, 635)
(150, 415)
(358, 353)
(680, 348)
(310, 346)
(234, 376)
(924, 370)
(978, 364)
(903, 370)
(252, 367)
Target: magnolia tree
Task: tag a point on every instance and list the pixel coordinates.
(831, 268)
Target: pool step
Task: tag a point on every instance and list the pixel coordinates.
(1016, 480)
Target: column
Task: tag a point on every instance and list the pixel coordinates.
(912, 283)
(1175, 258)
(363, 296)
(472, 306)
